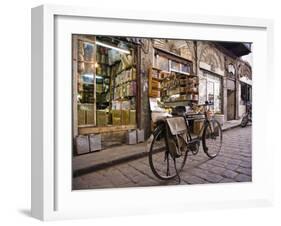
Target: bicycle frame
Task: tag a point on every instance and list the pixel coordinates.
(206, 121)
(183, 146)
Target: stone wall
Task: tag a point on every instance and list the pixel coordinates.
(146, 60)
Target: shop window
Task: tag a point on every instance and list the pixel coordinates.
(106, 84)
(246, 93)
(162, 63)
(170, 62)
(210, 90)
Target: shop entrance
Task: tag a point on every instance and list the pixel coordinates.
(231, 99)
(230, 104)
(105, 90)
(212, 90)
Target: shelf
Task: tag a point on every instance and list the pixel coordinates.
(86, 61)
(103, 76)
(177, 101)
(102, 93)
(157, 69)
(124, 98)
(88, 129)
(157, 79)
(158, 89)
(87, 83)
(128, 68)
(109, 65)
(125, 83)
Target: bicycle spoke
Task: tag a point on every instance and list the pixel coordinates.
(159, 158)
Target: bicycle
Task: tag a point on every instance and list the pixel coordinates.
(247, 117)
(160, 156)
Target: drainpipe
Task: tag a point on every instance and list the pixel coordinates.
(196, 58)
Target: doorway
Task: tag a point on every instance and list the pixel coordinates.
(230, 104)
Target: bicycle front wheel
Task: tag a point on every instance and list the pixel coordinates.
(160, 160)
(212, 138)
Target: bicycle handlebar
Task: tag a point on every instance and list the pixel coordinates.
(207, 103)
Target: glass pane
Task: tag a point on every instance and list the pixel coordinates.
(185, 68)
(85, 86)
(115, 86)
(162, 63)
(175, 66)
(88, 51)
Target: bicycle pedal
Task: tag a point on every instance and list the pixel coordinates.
(194, 142)
(194, 146)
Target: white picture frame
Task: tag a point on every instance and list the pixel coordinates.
(52, 197)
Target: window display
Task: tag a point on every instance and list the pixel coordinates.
(210, 90)
(106, 87)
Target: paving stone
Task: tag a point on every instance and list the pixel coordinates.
(213, 178)
(234, 161)
(229, 174)
(216, 163)
(243, 178)
(78, 183)
(194, 180)
(246, 164)
(227, 180)
(233, 164)
(246, 171)
(204, 166)
(222, 159)
(217, 169)
(199, 172)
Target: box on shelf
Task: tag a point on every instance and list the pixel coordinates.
(164, 74)
(131, 137)
(116, 113)
(155, 84)
(182, 89)
(116, 121)
(155, 74)
(102, 119)
(99, 88)
(90, 116)
(132, 117)
(155, 93)
(182, 81)
(125, 117)
(95, 142)
(82, 144)
(81, 117)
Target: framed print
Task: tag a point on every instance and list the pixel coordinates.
(133, 112)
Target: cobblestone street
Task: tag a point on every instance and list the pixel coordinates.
(233, 164)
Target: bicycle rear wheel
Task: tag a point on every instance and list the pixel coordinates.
(160, 160)
(244, 121)
(212, 138)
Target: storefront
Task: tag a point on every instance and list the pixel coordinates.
(245, 95)
(118, 81)
(231, 92)
(211, 90)
(245, 87)
(106, 98)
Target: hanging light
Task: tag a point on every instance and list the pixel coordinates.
(113, 47)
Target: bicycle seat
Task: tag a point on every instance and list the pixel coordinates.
(179, 111)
